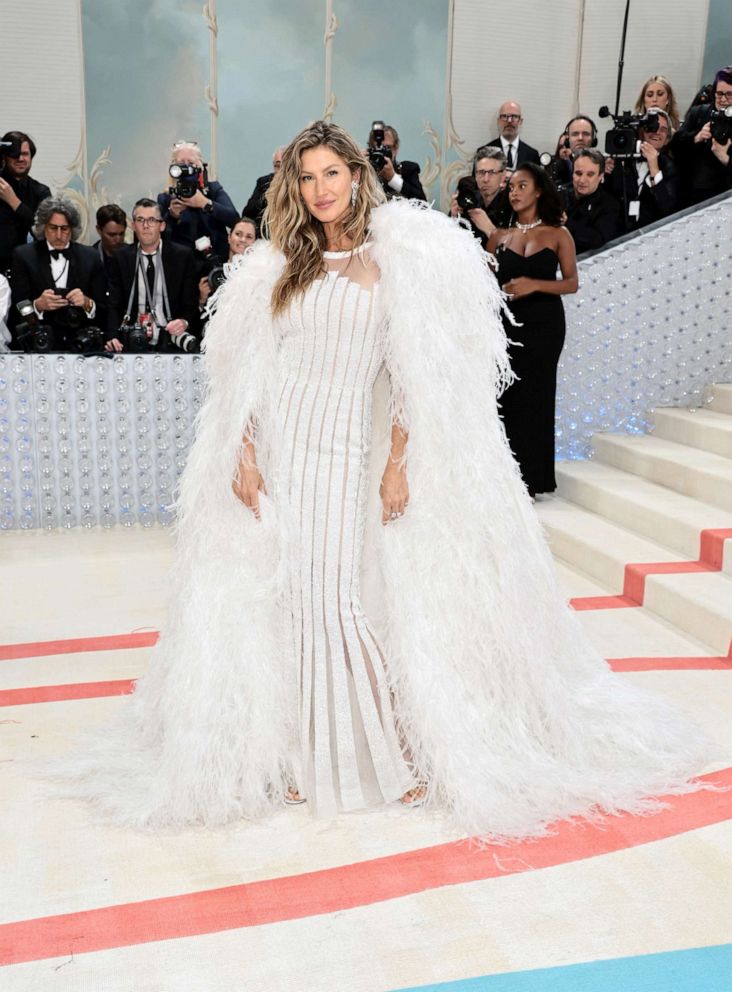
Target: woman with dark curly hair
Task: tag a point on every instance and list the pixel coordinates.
(528, 254)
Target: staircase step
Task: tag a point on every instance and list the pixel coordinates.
(702, 475)
(721, 398)
(705, 429)
(653, 511)
(698, 604)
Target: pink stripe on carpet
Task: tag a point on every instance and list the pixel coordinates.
(333, 890)
(58, 693)
(74, 645)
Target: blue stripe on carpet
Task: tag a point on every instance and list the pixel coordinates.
(701, 969)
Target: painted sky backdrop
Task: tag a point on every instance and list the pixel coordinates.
(147, 66)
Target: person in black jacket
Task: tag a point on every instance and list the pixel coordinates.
(61, 278)
(648, 187)
(593, 215)
(705, 164)
(257, 202)
(153, 283)
(489, 172)
(517, 152)
(397, 178)
(19, 193)
(206, 214)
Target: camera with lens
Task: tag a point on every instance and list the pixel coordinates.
(378, 154)
(622, 140)
(31, 333)
(211, 266)
(468, 194)
(189, 179)
(87, 339)
(187, 342)
(137, 337)
(720, 125)
(10, 148)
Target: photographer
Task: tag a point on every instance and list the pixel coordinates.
(111, 228)
(152, 293)
(702, 146)
(593, 215)
(19, 193)
(488, 188)
(62, 279)
(243, 235)
(579, 134)
(397, 178)
(257, 202)
(196, 207)
(647, 184)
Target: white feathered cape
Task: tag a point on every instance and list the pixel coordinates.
(510, 714)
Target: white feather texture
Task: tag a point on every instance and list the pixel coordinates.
(511, 716)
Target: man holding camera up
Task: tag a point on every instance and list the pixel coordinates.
(152, 292)
(196, 207)
(19, 193)
(646, 183)
(63, 280)
(482, 197)
(702, 145)
(397, 178)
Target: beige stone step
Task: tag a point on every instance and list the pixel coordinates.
(705, 429)
(721, 398)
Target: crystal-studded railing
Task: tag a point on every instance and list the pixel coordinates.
(650, 326)
(88, 441)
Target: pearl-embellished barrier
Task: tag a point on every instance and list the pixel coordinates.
(103, 441)
(87, 441)
(649, 327)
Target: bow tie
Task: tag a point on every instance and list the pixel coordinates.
(61, 253)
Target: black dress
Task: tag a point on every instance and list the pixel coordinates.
(527, 406)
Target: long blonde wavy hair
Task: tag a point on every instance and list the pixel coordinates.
(672, 109)
(293, 230)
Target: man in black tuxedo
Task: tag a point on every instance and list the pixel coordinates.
(517, 152)
(647, 188)
(593, 215)
(257, 202)
(19, 193)
(153, 284)
(396, 178)
(62, 279)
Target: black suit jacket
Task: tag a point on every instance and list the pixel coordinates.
(411, 184)
(179, 266)
(592, 220)
(254, 208)
(31, 275)
(525, 152)
(656, 201)
(702, 174)
(15, 225)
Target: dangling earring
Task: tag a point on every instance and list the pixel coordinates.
(354, 192)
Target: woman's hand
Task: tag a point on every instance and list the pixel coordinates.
(394, 492)
(519, 287)
(247, 486)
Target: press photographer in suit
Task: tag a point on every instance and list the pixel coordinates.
(492, 209)
(647, 186)
(517, 152)
(153, 290)
(593, 215)
(20, 194)
(397, 178)
(702, 146)
(61, 278)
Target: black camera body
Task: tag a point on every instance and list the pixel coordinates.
(377, 153)
(88, 339)
(720, 124)
(31, 333)
(136, 338)
(622, 140)
(468, 194)
(189, 179)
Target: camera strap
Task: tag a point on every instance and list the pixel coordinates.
(148, 299)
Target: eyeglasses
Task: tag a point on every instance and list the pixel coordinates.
(724, 95)
(482, 173)
(146, 221)
(510, 117)
(61, 228)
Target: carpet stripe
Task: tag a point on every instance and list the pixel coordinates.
(77, 645)
(337, 889)
(670, 971)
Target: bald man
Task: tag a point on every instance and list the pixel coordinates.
(509, 122)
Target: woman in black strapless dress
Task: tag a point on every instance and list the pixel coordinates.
(529, 254)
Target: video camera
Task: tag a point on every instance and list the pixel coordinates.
(622, 140)
(189, 179)
(378, 154)
(720, 124)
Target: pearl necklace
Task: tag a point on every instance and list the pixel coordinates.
(528, 227)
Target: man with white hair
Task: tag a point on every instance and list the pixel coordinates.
(517, 152)
(205, 211)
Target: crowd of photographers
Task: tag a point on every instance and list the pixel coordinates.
(151, 294)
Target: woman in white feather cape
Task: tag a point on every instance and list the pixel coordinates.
(504, 709)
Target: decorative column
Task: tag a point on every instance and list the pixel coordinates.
(331, 26)
(212, 89)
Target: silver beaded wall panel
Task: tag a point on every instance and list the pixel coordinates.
(103, 441)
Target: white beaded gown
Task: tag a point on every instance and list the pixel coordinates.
(331, 351)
